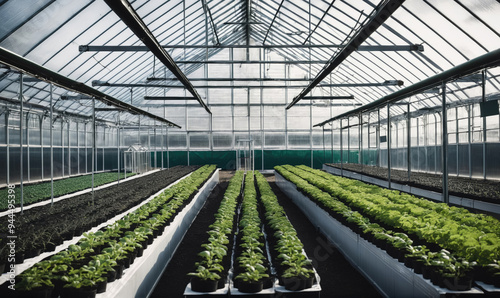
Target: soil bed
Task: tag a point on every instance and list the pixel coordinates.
(339, 278)
(477, 189)
(42, 227)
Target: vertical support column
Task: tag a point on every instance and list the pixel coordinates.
(311, 132)
(118, 145)
(149, 149)
(418, 143)
(168, 152)
(435, 142)
(85, 141)
(341, 151)
(51, 148)
(378, 139)
(348, 139)
(368, 133)
(360, 139)
(444, 149)
(324, 148)
(94, 147)
(156, 159)
(164, 136)
(28, 145)
(456, 139)
(7, 136)
(62, 145)
(69, 152)
(483, 99)
(389, 145)
(408, 142)
(21, 130)
(41, 144)
(469, 137)
(103, 147)
(78, 146)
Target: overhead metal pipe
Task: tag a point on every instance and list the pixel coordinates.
(127, 85)
(368, 48)
(33, 69)
(168, 98)
(272, 22)
(130, 17)
(489, 59)
(319, 22)
(381, 14)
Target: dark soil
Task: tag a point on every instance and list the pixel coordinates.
(43, 225)
(338, 277)
(477, 189)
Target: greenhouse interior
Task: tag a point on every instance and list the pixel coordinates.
(298, 148)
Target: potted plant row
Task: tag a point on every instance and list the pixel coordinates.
(472, 237)
(83, 269)
(251, 267)
(44, 228)
(294, 270)
(214, 261)
(397, 244)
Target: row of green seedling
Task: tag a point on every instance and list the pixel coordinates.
(101, 256)
(294, 269)
(421, 208)
(251, 268)
(41, 191)
(440, 263)
(215, 259)
(470, 236)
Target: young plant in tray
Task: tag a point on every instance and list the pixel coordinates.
(36, 279)
(295, 270)
(252, 271)
(212, 267)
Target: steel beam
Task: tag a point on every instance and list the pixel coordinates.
(489, 59)
(272, 22)
(319, 22)
(444, 146)
(21, 128)
(367, 48)
(171, 86)
(130, 17)
(24, 65)
(381, 14)
(329, 97)
(168, 98)
(205, 6)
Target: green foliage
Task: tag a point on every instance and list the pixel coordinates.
(468, 236)
(38, 192)
(216, 246)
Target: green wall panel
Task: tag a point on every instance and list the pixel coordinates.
(226, 160)
(223, 159)
(177, 158)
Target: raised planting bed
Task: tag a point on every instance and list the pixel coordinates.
(398, 222)
(293, 269)
(251, 267)
(100, 257)
(44, 228)
(473, 188)
(214, 260)
(41, 191)
(267, 256)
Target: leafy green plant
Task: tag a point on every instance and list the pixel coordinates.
(36, 277)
